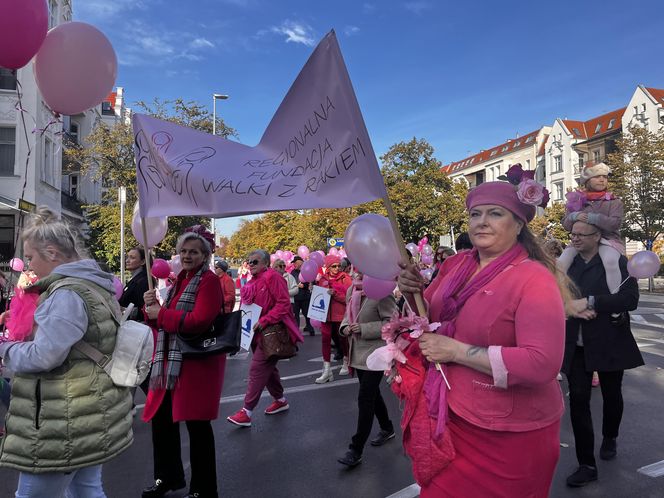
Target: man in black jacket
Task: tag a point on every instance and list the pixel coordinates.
(598, 338)
(302, 298)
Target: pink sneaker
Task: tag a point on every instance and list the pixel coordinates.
(240, 418)
(276, 407)
(595, 381)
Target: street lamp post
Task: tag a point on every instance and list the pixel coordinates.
(215, 97)
(122, 197)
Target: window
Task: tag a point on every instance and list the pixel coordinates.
(557, 164)
(7, 224)
(7, 79)
(576, 132)
(596, 155)
(529, 139)
(7, 151)
(493, 152)
(528, 164)
(598, 127)
(73, 186)
(107, 109)
(611, 123)
(504, 148)
(557, 191)
(582, 160)
(52, 13)
(47, 173)
(73, 132)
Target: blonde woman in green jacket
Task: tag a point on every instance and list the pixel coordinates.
(362, 324)
(66, 416)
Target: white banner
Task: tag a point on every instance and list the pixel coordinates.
(250, 315)
(319, 304)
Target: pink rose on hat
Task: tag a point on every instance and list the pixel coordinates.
(530, 192)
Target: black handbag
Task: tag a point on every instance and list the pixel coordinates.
(223, 337)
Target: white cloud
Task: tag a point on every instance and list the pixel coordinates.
(418, 7)
(201, 43)
(351, 30)
(107, 9)
(296, 32)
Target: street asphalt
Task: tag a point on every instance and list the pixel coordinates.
(293, 454)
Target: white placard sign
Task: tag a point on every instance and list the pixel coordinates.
(319, 304)
(250, 315)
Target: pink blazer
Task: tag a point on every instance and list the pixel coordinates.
(520, 312)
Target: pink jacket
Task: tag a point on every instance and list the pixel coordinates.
(269, 290)
(519, 315)
(338, 301)
(607, 215)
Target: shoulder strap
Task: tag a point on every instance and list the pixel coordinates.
(101, 359)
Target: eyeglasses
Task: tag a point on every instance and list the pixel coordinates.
(280, 266)
(334, 266)
(253, 262)
(573, 235)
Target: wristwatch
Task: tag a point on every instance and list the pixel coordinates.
(591, 303)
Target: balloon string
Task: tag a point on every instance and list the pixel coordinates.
(621, 283)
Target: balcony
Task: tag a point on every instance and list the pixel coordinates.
(71, 204)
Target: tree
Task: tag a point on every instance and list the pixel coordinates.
(638, 179)
(107, 155)
(549, 225)
(425, 202)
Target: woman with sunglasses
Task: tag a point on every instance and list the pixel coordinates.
(268, 289)
(338, 283)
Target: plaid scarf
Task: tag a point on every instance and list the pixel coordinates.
(172, 357)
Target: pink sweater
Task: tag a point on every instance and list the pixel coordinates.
(519, 315)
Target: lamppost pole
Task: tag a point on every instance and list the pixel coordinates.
(122, 197)
(215, 97)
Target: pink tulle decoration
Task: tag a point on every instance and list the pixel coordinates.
(22, 313)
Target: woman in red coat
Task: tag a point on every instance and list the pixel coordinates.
(338, 283)
(184, 389)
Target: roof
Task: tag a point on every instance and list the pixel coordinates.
(594, 127)
(493, 153)
(657, 94)
(111, 98)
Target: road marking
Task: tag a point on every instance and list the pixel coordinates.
(653, 470)
(659, 315)
(410, 492)
(639, 319)
(289, 390)
(307, 374)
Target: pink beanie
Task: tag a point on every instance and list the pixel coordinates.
(501, 194)
(331, 260)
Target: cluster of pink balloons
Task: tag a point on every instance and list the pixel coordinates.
(643, 264)
(286, 256)
(423, 252)
(156, 228)
(309, 269)
(75, 65)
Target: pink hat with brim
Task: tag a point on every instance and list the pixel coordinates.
(501, 194)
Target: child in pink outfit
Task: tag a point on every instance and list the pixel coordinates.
(600, 208)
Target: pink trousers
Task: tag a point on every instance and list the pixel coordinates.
(262, 373)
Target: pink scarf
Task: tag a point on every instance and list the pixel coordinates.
(355, 302)
(456, 291)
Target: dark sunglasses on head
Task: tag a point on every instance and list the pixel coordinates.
(253, 262)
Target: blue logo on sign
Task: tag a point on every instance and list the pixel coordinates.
(247, 327)
(321, 303)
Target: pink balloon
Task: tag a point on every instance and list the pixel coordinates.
(300, 278)
(413, 248)
(375, 288)
(321, 253)
(23, 27)
(333, 251)
(288, 255)
(371, 246)
(308, 271)
(156, 228)
(273, 258)
(341, 253)
(427, 273)
(279, 253)
(317, 258)
(427, 259)
(119, 288)
(160, 268)
(303, 252)
(643, 264)
(75, 68)
(427, 249)
(16, 264)
(315, 323)
(175, 264)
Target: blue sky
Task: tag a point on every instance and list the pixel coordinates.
(463, 75)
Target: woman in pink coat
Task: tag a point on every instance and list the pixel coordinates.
(185, 389)
(338, 283)
(500, 343)
(269, 290)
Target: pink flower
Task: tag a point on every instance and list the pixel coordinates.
(575, 201)
(530, 192)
